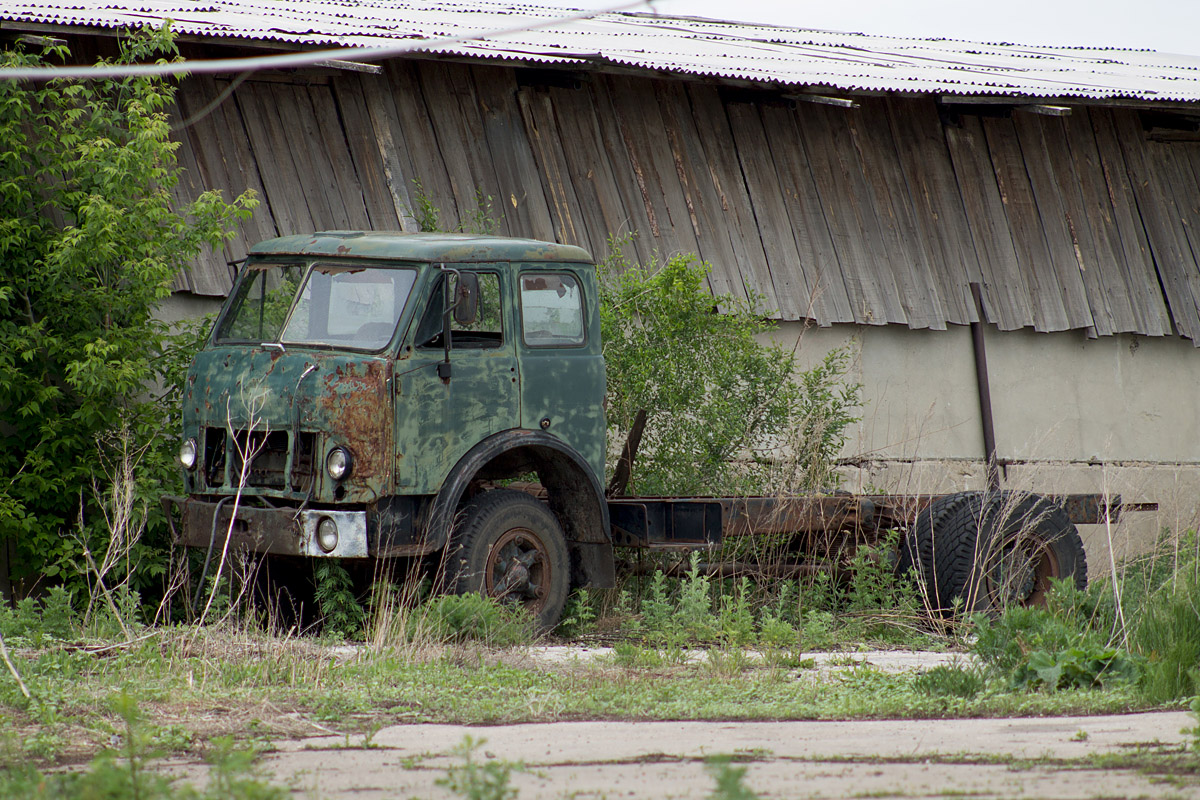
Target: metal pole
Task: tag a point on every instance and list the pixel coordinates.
(985, 392)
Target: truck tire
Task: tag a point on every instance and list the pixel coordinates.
(508, 545)
(992, 550)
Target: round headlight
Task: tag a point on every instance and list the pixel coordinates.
(187, 454)
(327, 534)
(337, 463)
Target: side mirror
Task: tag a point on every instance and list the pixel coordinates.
(466, 299)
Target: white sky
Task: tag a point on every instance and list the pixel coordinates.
(1170, 26)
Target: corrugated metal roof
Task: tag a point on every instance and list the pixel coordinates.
(761, 53)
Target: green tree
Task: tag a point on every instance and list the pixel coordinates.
(706, 407)
(90, 241)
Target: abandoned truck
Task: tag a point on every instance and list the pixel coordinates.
(375, 396)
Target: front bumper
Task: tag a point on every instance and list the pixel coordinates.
(280, 531)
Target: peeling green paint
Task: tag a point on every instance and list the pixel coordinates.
(429, 247)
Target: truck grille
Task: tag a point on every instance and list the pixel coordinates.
(302, 469)
(268, 464)
(214, 457)
(268, 458)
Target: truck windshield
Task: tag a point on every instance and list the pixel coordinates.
(336, 305)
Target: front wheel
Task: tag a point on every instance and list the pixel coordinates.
(984, 552)
(509, 546)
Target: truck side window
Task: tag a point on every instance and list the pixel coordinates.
(486, 331)
(552, 310)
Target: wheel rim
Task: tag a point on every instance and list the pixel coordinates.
(518, 570)
(1021, 573)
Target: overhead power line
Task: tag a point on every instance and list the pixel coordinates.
(287, 60)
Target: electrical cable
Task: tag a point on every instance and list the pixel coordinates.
(212, 104)
(212, 537)
(305, 59)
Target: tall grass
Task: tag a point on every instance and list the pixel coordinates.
(1168, 636)
(1161, 598)
(405, 621)
(1142, 625)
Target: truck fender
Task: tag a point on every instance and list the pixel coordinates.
(574, 493)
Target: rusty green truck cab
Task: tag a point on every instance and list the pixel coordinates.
(347, 409)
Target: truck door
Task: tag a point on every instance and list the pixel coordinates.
(439, 419)
(562, 368)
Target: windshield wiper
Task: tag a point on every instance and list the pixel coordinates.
(274, 345)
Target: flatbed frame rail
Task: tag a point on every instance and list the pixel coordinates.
(673, 523)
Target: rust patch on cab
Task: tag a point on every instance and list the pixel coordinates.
(354, 402)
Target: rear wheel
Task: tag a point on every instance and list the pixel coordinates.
(509, 546)
(990, 551)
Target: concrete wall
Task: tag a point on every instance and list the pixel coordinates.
(183, 306)
(1119, 414)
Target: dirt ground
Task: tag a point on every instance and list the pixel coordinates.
(985, 758)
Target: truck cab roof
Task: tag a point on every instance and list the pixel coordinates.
(429, 247)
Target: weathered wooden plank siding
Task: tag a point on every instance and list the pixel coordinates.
(633, 134)
(772, 221)
(1111, 273)
(194, 178)
(903, 254)
(602, 204)
(1034, 256)
(1008, 298)
(1070, 251)
(710, 222)
(243, 168)
(373, 156)
(522, 194)
(882, 214)
(565, 205)
(821, 289)
(729, 185)
(1156, 205)
(1182, 182)
(943, 232)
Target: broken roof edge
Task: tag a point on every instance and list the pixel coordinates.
(992, 86)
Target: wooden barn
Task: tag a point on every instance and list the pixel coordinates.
(859, 185)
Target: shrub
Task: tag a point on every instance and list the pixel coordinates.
(470, 617)
(697, 609)
(1038, 648)
(730, 780)
(719, 408)
(34, 620)
(90, 244)
(1075, 668)
(579, 615)
(950, 680)
(341, 612)
(874, 584)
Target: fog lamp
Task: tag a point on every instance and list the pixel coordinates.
(327, 534)
(187, 454)
(337, 463)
